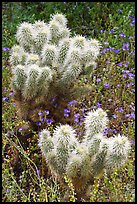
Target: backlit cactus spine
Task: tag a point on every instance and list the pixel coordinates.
(82, 161)
(47, 61)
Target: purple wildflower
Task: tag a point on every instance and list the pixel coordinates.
(7, 190)
(66, 110)
(106, 85)
(132, 142)
(122, 35)
(98, 80)
(38, 123)
(120, 110)
(116, 51)
(118, 85)
(42, 119)
(49, 121)
(114, 116)
(39, 113)
(5, 99)
(77, 115)
(76, 120)
(132, 115)
(47, 112)
(124, 75)
(120, 11)
(119, 64)
(114, 131)
(102, 31)
(133, 90)
(106, 43)
(72, 102)
(20, 129)
(130, 75)
(6, 49)
(66, 114)
(14, 104)
(98, 105)
(125, 46)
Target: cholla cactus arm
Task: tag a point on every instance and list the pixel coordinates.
(32, 59)
(60, 18)
(78, 166)
(30, 88)
(43, 81)
(18, 56)
(98, 162)
(95, 122)
(64, 46)
(71, 74)
(45, 142)
(117, 153)
(19, 78)
(94, 144)
(41, 37)
(25, 36)
(49, 55)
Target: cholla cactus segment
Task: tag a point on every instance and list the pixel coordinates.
(25, 36)
(118, 151)
(45, 142)
(95, 122)
(49, 55)
(18, 56)
(19, 79)
(71, 74)
(98, 162)
(73, 56)
(79, 41)
(63, 48)
(43, 80)
(32, 59)
(94, 144)
(31, 88)
(42, 37)
(60, 18)
(65, 135)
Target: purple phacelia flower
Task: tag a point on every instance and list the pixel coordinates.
(72, 102)
(77, 115)
(66, 114)
(76, 120)
(47, 112)
(125, 46)
(132, 115)
(119, 64)
(114, 116)
(120, 109)
(5, 99)
(106, 85)
(39, 113)
(122, 35)
(49, 121)
(66, 110)
(98, 80)
(38, 123)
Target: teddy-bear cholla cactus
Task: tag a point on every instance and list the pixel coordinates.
(47, 60)
(82, 161)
